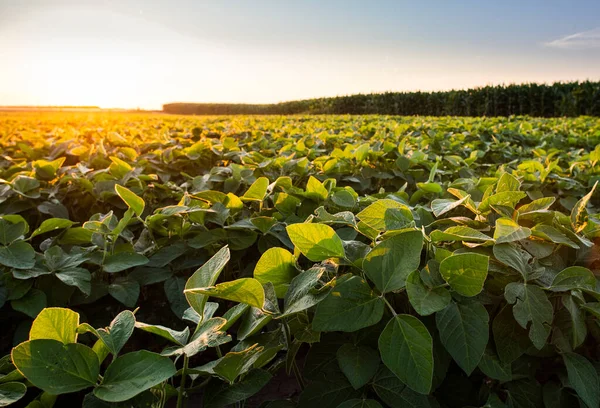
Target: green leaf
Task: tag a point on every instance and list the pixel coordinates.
(358, 363)
(235, 363)
(31, 304)
(507, 182)
(302, 294)
(494, 368)
(551, 234)
(134, 202)
(315, 189)
(52, 224)
(360, 403)
(257, 191)
(11, 392)
(78, 277)
(396, 394)
(465, 234)
(18, 255)
(206, 276)
(579, 212)
(425, 300)
(55, 367)
(11, 231)
(510, 338)
(125, 291)
(224, 395)
(278, 266)
(317, 242)
(177, 337)
(133, 373)
(55, 323)
(515, 257)
(244, 290)
(531, 305)
(465, 273)
(120, 330)
(330, 391)
(391, 261)
(583, 377)
(506, 198)
(123, 260)
(406, 348)
(509, 231)
(574, 277)
(464, 332)
(350, 306)
(441, 206)
(386, 214)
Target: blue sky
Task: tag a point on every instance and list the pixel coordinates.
(133, 53)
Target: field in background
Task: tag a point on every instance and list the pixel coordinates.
(316, 260)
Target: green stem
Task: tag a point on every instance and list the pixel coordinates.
(288, 340)
(219, 353)
(389, 306)
(180, 395)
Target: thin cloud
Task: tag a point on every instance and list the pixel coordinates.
(578, 41)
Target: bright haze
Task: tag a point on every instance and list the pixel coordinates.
(134, 53)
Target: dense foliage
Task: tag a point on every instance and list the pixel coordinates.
(558, 99)
(337, 261)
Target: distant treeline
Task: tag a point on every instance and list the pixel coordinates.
(558, 99)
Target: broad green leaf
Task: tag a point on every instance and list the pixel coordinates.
(224, 395)
(464, 332)
(424, 299)
(360, 403)
(551, 234)
(206, 276)
(507, 182)
(344, 199)
(244, 290)
(391, 261)
(531, 305)
(18, 255)
(278, 266)
(235, 363)
(330, 391)
(78, 277)
(505, 198)
(317, 242)
(177, 337)
(302, 294)
(31, 304)
(134, 202)
(55, 367)
(465, 273)
(350, 306)
(396, 394)
(133, 373)
(515, 257)
(406, 348)
(579, 212)
(574, 277)
(252, 323)
(57, 324)
(441, 206)
(11, 231)
(316, 190)
(541, 204)
(123, 260)
(11, 392)
(120, 330)
(257, 191)
(465, 234)
(208, 334)
(509, 231)
(125, 290)
(358, 363)
(510, 338)
(386, 214)
(493, 367)
(583, 378)
(52, 224)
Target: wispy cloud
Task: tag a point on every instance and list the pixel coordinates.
(578, 41)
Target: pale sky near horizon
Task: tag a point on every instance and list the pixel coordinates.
(135, 53)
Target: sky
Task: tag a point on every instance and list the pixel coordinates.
(143, 53)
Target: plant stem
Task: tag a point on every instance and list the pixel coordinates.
(219, 353)
(180, 396)
(288, 340)
(389, 306)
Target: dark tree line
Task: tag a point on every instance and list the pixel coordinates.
(558, 99)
